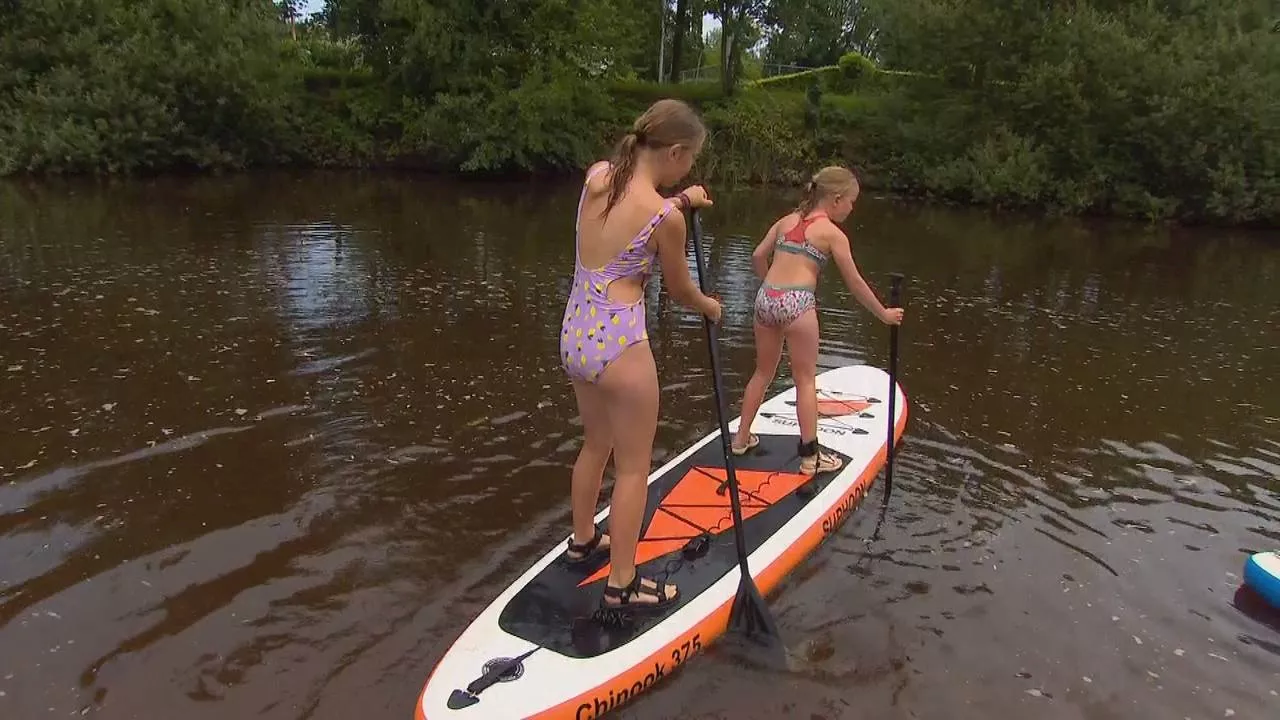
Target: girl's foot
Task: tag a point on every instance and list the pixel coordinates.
(641, 593)
(813, 460)
(742, 449)
(577, 554)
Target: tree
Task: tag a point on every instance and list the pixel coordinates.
(120, 85)
(739, 29)
(290, 11)
(677, 39)
(813, 33)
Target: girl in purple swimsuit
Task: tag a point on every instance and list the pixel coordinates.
(788, 259)
(623, 224)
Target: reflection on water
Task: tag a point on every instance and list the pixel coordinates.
(270, 442)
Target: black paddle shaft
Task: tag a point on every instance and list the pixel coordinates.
(713, 341)
(895, 301)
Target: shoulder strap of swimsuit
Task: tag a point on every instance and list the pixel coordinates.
(796, 233)
(644, 234)
(582, 199)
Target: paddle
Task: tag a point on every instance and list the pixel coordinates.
(895, 301)
(749, 614)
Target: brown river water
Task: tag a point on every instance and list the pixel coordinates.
(269, 442)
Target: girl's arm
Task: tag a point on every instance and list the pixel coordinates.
(852, 278)
(764, 252)
(670, 237)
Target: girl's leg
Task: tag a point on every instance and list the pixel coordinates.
(631, 383)
(802, 350)
(588, 470)
(768, 353)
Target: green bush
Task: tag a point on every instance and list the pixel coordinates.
(150, 85)
(1163, 111)
(798, 81)
(320, 79)
(643, 93)
(542, 124)
(759, 137)
(344, 127)
(854, 66)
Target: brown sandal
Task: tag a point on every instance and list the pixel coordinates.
(626, 596)
(586, 551)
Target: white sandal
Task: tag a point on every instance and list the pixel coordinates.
(752, 441)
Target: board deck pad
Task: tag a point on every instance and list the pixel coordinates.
(682, 505)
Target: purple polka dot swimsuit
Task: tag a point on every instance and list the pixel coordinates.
(595, 329)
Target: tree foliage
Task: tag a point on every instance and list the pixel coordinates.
(1163, 108)
(814, 33)
(1166, 108)
(127, 84)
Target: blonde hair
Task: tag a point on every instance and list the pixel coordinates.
(667, 122)
(828, 182)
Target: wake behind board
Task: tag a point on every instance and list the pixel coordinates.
(535, 653)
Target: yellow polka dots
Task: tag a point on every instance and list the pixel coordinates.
(591, 318)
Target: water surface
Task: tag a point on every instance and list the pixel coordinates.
(269, 442)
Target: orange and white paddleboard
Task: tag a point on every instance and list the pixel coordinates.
(535, 651)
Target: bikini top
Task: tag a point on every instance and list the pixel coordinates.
(793, 241)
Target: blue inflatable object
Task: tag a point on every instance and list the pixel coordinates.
(1262, 575)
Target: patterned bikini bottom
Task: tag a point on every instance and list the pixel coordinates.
(780, 305)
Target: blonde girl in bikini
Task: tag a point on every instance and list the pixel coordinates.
(788, 259)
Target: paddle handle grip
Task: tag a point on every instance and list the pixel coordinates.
(895, 290)
(695, 225)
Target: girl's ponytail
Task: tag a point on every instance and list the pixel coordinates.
(830, 181)
(810, 197)
(624, 165)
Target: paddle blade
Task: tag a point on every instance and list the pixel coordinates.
(749, 615)
(750, 620)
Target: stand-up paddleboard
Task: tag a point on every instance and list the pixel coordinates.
(535, 652)
(1262, 575)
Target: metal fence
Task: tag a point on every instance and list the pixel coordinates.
(708, 73)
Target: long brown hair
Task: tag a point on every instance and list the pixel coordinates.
(667, 122)
(827, 182)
